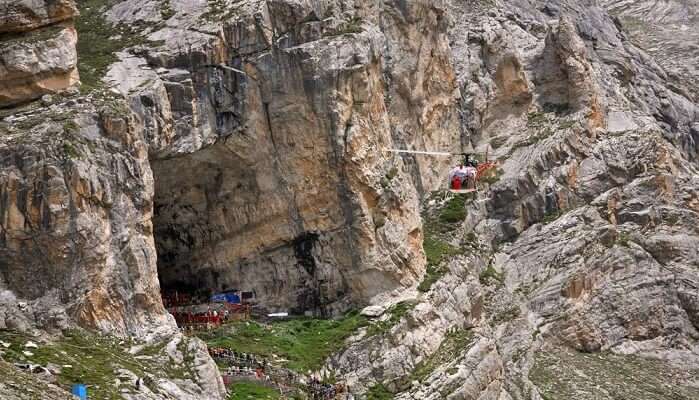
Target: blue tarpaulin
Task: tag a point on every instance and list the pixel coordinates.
(218, 298)
(80, 390)
(231, 298)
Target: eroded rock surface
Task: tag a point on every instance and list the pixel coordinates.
(243, 143)
(37, 49)
(268, 140)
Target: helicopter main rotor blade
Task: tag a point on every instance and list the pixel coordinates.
(431, 153)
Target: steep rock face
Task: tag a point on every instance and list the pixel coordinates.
(254, 144)
(591, 214)
(440, 347)
(279, 119)
(37, 49)
(77, 242)
(27, 15)
(591, 193)
(257, 149)
(667, 31)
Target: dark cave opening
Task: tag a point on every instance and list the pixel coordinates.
(221, 226)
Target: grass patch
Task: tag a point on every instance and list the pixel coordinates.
(397, 312)
(453, 344)
(490, 275)
(551, 216)
(539, 124)
(249, 390)
(436, 251)
(70, 151)
(217, 11)
(432, 275)
(379, 392)
(392, 173)
(566, 124)
(454, 211)
(93, 360)
(70, 127)
(304, 342)
(536, 119)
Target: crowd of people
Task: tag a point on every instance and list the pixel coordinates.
(234, 358)
(249, 366)
(319, 390)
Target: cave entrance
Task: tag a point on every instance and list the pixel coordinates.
(223, 224)
(197, 219)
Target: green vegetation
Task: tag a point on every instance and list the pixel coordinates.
(489, 275)
(506, 315)
(99, 41)
(540, 135)
(216, 11)
(40, 118)
(354, 25)
(563, 373)
(250, 390)
(70, 151)
(671, 219)
(437, 224)
(454, 343)
(392, 173)
(551, 216)
(623, 239)
(566, 124)
(436, 251)
(22, 383)
(70, 127)
(166, 11)
(304, 342)
(94, 360)
(396, 313)
(432, 275)
(454, 211)
(379, 392)
(536, 119)
(539, 125)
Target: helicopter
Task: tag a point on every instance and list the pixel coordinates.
(466, 182)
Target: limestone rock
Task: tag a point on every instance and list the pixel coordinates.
(26, 15)
(75, 180)
(243, 144)
(373, 311)
(36, 63)
(37, 49)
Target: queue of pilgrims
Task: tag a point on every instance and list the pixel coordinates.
(241, 364)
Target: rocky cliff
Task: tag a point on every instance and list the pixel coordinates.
(242, 144)
(37, 54)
